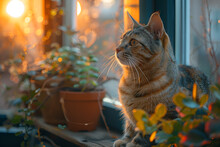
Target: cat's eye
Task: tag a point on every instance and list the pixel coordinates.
(132, 42)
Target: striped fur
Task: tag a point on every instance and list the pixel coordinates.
(150, 75)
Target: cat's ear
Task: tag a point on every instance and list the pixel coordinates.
(156, 25)
(135, 23)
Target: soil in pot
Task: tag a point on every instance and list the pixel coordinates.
(82, 109)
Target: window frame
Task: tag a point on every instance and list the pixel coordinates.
(182, 32)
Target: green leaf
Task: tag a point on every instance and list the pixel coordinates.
(75, 50)
(80, 62)
(94, 83)
(150, 129)
(189, 125)
(154, 119)
(94, 59)
(177, 126)
(178, 99)
(217, 94)
(188, 102)
(94, 69)
(162, 137)
(94, 75)
(167, 127)
(203, 100)
(84, 58)
(18, 133)
(82, 76)
(16, 119)
(69, 73)
(173, 140)
(186, 126)
(188, 111)
(214, 88)
(72, 58)
(160, 110)
(76, 86)
(85, 69)
(61, 126)
(201, 112)
(63, 56)
(83, 82)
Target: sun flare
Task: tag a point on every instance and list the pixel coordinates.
(78, 8)
(15, 8)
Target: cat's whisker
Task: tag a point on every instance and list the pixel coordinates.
(143, 75)
(131, 69)
(110, 61)
(137, 60)
(111, 67)
(115, 67)
(139, 79)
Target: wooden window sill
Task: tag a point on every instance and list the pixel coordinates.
(98, 138)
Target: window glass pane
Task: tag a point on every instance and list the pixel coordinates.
(22, 30)
(100, 25)
(205, 30)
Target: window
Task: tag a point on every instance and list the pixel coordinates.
(204, 33)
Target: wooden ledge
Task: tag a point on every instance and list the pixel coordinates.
(98, 138)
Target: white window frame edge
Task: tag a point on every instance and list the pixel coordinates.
(182, 31)
(69, 19)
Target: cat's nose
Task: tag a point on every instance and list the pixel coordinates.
(118, 49)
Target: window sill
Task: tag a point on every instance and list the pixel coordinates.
(99, 137)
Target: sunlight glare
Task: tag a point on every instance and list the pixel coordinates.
(108, 3)
(78, 7)
(15, 8)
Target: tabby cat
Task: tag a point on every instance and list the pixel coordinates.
(150, 75)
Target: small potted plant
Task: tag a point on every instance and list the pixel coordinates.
(82, 102)
(56, 71)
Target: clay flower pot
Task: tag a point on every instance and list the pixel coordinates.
(51, 109)
(82, 109)
(49, 98)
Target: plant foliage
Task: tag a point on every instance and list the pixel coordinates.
(196, 126)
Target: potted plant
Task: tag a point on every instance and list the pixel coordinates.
(56, 70)
(82, 102)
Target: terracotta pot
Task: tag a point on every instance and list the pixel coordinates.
(51, 109)
(82, 109)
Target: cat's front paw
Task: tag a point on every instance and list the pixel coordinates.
(120, 143)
